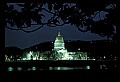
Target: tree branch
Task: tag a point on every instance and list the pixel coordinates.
(21, 28)
(31, 30)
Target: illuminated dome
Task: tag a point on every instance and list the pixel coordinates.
(59, 48)
(59, 42)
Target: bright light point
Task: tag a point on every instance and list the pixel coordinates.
(24, 59)
(87, 67)
(93, 59)
(58, 68)
(104, 57)
(33, 68)
(78, 48)
(34, 58)
(10, 68)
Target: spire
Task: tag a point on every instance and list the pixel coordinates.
(59, 33)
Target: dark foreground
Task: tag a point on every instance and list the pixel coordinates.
(84, 71)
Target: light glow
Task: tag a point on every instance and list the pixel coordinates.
(10, 68)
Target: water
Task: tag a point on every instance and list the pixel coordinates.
(47, 68)
(34, 68)
(68, 68)
(10, 68)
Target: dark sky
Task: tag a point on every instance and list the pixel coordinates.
(23, 40)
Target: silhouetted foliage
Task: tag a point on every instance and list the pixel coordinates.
(100, 17)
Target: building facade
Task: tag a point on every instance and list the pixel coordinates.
(61, 52)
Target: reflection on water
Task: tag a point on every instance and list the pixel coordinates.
(34, 68)
(19, 68)
(10, 68)
(49, 68)
(66, 68)
(87, 67)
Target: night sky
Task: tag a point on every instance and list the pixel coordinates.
(23, 40)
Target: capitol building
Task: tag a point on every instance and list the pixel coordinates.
(59, 52)
(58, 49)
